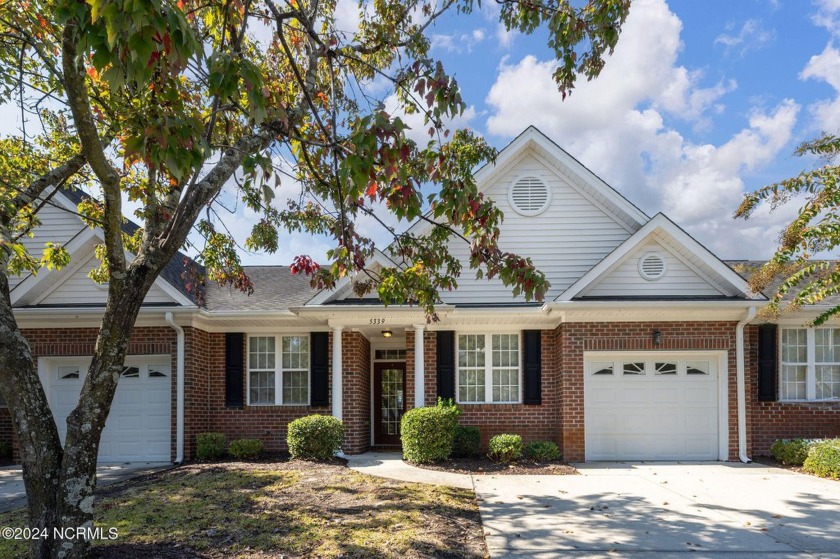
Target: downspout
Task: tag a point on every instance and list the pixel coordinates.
(741, 386)
(179, 390)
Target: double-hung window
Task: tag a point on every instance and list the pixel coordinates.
(278, 370)
(810, 364)
(488, 368)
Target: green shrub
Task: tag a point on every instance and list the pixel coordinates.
(315, 437)
(792, 452)
(467, 441)
(211, 446)
(824, 459)
(245, 449)
(505, 448)
(542, 451)
(427, 433)
(5, 450)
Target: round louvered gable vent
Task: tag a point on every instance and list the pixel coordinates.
(529, 195)
(652, 266)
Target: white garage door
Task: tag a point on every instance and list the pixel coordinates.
(138, 427)
(652, 406)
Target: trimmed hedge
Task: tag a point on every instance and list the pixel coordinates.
(542, 451)
(792, 452)
(211, 446)
(245, 449)
(427, 433)
(467, 441)
(505, 448)
(315, 437)
(824, 459)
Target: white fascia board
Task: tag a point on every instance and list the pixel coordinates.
(44, 276)
(659, 222)
(327, 295)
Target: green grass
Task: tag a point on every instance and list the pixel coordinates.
(295, 508)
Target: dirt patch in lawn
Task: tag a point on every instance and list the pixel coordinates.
(292, 509)
(482, 465)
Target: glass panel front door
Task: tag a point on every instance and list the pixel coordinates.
(389, 399)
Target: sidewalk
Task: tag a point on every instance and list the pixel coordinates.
(390, 465)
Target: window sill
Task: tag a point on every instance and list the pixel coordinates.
(824, 401)
(280, 405)
(488, 403)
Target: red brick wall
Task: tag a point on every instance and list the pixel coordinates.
(59, 342)
(768, 421)
(533, 422)
(267, 423)
(580, 337)
(355, 349)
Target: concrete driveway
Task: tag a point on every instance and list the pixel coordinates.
(13, 493)
(661, 510)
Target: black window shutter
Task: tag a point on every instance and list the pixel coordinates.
(446, 364)
(532, 347)
(234, 369)
(319, 376)
(767, 362)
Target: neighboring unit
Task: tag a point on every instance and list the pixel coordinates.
(647, 347)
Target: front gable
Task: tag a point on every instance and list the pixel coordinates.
(71, 286)
(660, 261)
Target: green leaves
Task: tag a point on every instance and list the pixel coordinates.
(813, 234)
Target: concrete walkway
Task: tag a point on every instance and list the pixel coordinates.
(390, 465)
(13, 493)
(646, 510)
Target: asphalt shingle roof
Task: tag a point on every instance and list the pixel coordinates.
(275, 288)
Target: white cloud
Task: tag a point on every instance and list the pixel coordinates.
(752, 36)
(825, 114)
(619, 126)
(828, 15)
(457, 44)
(418, 129)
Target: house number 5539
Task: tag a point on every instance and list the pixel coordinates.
(377, 321)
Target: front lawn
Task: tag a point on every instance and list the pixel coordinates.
(296, 509)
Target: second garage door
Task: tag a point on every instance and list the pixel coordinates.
(652, 406)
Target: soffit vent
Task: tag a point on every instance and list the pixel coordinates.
(652, 266)
(529, 196)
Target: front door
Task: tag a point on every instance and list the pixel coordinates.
(388, 401)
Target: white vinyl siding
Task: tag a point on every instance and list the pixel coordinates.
(571, 236)
(488, 368)
(810, 364)
(624, 280)
(79, 289)
(278, 380)
(57, 226)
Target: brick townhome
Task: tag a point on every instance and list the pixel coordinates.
(647, 347)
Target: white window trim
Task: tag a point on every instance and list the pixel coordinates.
(810, 366)
(488, 368)
(278, 370)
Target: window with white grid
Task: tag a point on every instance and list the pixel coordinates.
(810, 364)
(295, 375)
(471, 368)
(794, 364)
(505, 365)
(278, 379)
(488, 368)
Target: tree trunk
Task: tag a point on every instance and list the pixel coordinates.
(40, 447)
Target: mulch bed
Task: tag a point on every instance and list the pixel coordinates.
(482, 465)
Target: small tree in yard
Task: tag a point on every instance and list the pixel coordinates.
(166, 101)
(806, 278)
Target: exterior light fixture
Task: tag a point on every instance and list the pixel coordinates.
(657, 337)
(387, 333)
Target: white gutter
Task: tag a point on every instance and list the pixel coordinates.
(741, 386)
(179, 390)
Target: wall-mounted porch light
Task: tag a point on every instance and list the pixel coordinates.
(657, 337)
(387, 333)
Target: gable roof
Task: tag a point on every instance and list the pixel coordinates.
(716, 271)
(276, 288)
(180, 277)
